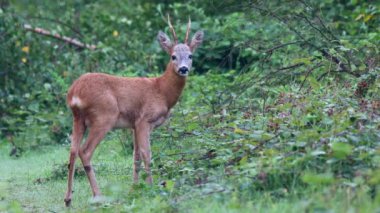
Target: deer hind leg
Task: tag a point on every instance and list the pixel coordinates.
(95, 136)
(142, 134)
(77, 135)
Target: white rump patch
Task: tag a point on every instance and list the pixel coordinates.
(75, 101)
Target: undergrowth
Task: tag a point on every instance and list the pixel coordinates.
(310, 147)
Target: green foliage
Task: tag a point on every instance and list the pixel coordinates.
(280, 114)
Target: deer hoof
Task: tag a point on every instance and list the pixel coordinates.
(67, 202)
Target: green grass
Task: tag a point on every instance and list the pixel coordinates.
(36, 182)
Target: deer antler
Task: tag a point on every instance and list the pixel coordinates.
(173, 32)
(187, 31)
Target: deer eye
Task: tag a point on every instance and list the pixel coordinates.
(174, 57)
(190, 56)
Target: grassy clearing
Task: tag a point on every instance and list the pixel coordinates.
(36, 182)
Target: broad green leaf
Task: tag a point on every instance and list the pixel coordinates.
(341, 150)
(306, 61)
(313, 83)
(170, 184)
(243, 161)
(312, 178)
(240, 131)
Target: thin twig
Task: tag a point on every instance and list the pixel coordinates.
(281, 45)
(308, 73)
(291, 66)
(321, 22)
(313, 26)
(327, 29)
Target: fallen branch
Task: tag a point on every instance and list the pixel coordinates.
(71, 41)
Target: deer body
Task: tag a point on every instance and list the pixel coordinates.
(127, 100)
(102, 102)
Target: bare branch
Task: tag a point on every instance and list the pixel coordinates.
(71, 41)
(57, 22)
(341, 66)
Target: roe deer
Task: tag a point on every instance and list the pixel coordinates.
(101, 102)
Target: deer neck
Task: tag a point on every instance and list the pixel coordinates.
(171, 85)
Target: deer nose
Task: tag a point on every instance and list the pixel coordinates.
(183, 70)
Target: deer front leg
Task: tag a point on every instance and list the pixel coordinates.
(136, 159)
(142, 135)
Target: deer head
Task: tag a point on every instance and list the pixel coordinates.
(181, 53)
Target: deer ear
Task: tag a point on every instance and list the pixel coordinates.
(164, 41)
(196, 40)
